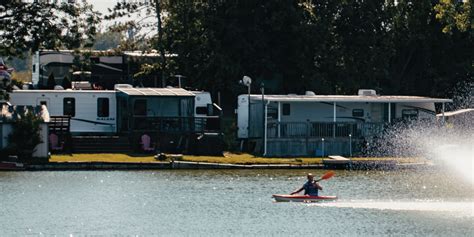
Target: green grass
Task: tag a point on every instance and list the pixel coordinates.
(228, 158)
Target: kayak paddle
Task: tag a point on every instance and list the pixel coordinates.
(327, 175)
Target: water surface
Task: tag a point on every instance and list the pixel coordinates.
(236, 202)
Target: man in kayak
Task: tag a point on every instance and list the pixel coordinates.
(310, 187)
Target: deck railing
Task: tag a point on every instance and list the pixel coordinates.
(176, 124)
(322, 129)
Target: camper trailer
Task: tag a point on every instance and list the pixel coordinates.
(90, 112)
(207, 114)
(289, 125)
(104, 70)
(167, 115)
(101, 68)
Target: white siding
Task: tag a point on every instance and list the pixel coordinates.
(86, 119)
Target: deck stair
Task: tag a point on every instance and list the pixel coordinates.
(61, 125)
(101, 144)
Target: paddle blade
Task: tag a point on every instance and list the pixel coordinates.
(328, 175)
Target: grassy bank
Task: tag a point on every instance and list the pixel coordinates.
(228, 158)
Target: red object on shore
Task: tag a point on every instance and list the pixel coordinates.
(5, 165)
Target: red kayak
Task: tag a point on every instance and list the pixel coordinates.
(302, 198)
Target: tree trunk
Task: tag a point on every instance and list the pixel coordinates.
(160, 42)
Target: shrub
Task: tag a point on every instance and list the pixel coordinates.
(66, 83)
(51, 82)
(25, 135)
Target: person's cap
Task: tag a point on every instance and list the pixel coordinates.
(310, 174)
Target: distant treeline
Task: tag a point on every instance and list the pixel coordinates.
(405, 47)
(329, 47)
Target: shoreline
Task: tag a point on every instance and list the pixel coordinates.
(117, 161)
(174, 165)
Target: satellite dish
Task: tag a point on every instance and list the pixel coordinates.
(246, 80)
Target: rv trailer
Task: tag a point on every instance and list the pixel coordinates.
(90, 111)
(301, 125)
(169, 115)
(104, 70)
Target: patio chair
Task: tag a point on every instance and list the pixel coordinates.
(146, 143)
(54, 143)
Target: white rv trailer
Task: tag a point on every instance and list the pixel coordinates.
(91, 111)
(207, 114)
(306, 119)
(95, 111)
(366, 107)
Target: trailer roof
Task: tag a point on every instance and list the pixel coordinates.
(63, 91)
(155, 91)
(348, 98)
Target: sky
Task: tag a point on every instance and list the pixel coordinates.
(102, 5)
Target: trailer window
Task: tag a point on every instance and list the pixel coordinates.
(103, 107)
(357, 113)
(286, 109)
(409, 113)
(201, 110)
(139, 107)
(69, 107)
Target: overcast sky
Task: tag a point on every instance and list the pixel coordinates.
(102, 5)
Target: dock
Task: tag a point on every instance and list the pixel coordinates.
(337, 162)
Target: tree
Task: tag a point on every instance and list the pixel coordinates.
(107, 40)
(144, 18)
(25, 134)
(51, 82)
(331, 47)
(29, 26)
(455, 14)
(66, 83)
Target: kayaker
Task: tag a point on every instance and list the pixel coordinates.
(310, 187)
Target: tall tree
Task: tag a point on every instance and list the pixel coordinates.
(51, 83)
(395, 46)
(29, 26)
(143, 21)
(455, 14)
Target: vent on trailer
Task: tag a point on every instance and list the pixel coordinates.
(365, 92)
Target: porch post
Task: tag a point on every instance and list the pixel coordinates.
(442, 110)
(279, 117)
(264, 106)
(389, 112)
(334, 120)
(265, 132)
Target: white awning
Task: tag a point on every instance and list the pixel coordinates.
(348, 98)
(155, 91)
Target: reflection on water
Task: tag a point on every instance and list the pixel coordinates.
(461, 209)
(233, 202)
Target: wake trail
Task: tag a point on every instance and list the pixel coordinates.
(461, 208)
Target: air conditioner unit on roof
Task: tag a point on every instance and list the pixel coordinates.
(367, 92)
(116, 86)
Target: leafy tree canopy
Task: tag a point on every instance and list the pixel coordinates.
(29, 26)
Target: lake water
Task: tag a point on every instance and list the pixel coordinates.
(233, 202)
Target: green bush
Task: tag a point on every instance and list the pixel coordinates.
(66, 83)
(51, 83)
(25, 134)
